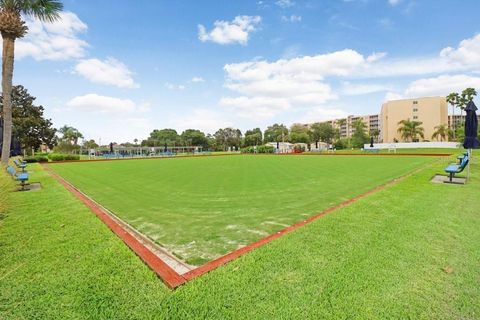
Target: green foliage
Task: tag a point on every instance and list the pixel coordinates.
(322, 131)
(359, 136)
(66, 147)
(70, 135)
(63, 157)
(260, 149)
(90, 144)
(192, 137)
(36, 158)
(253, 137)
(299, 133)
(228, 137)
(342, 144)
(441, 131)
(159, 138)
(410, 129)
(29, 124)
(276, 133)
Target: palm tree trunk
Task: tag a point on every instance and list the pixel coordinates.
(7, 77)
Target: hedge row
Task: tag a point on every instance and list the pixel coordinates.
(63, 157)
(52, 156)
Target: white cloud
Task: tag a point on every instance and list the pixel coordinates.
(352, 89)
(225, 32)
(197, 79)
(376, 56)
(441, 85)
(285, 3)
(205, 120)
(258, 108)
(174, 87)
(53, 41)
(323, 114)
(292, 18)
(467, 53)
(266, 89)
(95, 103)
(109, 72)
(394, 2)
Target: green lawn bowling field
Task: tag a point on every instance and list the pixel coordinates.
(201, 208)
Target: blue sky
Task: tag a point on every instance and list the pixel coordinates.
(118, 69)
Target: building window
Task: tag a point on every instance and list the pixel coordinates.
(415, 117)
(415, 109)
(415, 102)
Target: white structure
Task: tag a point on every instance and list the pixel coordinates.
(412, 145)
(283, 147)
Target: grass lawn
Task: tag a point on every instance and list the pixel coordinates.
(201, 208)
(410, 251)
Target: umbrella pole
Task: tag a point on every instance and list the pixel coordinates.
(468, 166)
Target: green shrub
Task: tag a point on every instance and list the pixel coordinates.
(56, 157)
(341, 144)
(71, 157)
(63, 157)
(37, 158)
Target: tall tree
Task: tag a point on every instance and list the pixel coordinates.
(13, 27)
(193, 137)
(322, 131)
(29, 124)
(410, 129)
(276, 133)
(253, 137)
(299, 133)
(70, 134)
(160, 138)
(441, 131)
(375, 133)
(359, 136)
(454, 100)
(228, 137)
(90, 144)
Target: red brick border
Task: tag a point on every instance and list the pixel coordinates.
(172, 278)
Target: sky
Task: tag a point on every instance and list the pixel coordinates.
(117, 69)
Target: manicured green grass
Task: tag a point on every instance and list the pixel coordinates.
(201, 208)
(407, 252)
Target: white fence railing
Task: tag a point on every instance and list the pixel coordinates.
(412, 145)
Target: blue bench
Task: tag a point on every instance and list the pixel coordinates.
(461, 156)
(455, 168)
(21, 165)
(18, 176)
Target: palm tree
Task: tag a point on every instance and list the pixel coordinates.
(13, 27)
(453, 99)
(375, 133)
(441, 131)
(410, 129)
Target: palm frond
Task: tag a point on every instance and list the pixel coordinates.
(44, 10)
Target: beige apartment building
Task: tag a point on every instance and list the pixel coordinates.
(431, 111)
(345, 127)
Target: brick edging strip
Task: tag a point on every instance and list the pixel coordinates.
(173, 279)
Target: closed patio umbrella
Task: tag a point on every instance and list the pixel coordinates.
(471, 129)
